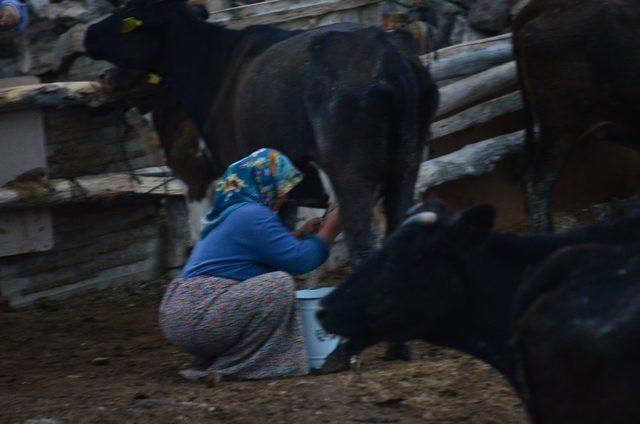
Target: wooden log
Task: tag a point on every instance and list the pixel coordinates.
(477, 115)
(30, 194)
(470, 60)
(472, 160)
(470, 46)
(476, 88)
(278, 11)
(56, 94)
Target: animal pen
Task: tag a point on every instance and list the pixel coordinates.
(85, 202)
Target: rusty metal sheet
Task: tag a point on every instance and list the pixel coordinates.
(23, 150)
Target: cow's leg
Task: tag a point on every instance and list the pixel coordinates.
(398, 197)
(354, 162)
(538, 193)
(356, 196)
(545, 161)
(399, 188)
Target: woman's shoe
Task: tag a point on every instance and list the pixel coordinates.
(197, 369)
(193, 374)
(200, 363)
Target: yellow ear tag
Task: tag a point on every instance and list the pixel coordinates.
(154, 79)
(129, 24)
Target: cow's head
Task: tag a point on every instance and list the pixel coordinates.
(415, 287)
(134, 35)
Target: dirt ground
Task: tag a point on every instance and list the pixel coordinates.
(48, 370)
(100, 358)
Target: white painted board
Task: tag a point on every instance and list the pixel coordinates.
(22, 148)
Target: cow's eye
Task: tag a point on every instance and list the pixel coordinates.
(129, 24)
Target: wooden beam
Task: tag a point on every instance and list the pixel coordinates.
(470, 60)
(472, 160)
(477, 115)
(277, 11)
(469, 46)
(45, 193)
(476, 88)
(56, 95)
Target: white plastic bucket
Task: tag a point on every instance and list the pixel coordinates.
(319, 343)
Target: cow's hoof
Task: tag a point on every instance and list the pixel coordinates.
(398, 352)
(337, 361)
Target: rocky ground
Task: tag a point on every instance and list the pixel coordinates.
(100, 358)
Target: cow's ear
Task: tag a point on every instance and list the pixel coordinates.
(471, 227)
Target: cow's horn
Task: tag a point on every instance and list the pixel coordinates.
(422, 218)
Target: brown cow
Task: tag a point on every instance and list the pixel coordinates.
(578, 62)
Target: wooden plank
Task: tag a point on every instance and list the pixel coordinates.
(277, 11)
(23, 152)
(476, 88)
(176, 235)
(139, 271)
(470, 60)
(470, 46)
(55, 94)
(72, 272)
(77, 234)
(477, 115)
(72, 220)
(472, 160)
(85, 189)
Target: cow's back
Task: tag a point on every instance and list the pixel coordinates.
(579, 60)
(315, 67)
(579, 339)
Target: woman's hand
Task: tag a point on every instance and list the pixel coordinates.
(330, 227)
(310, 227)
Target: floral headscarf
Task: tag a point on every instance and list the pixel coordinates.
(259, 178)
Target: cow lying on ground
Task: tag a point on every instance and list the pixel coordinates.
(577, 336)
(578, 63)
(349, 97)
(452, 282)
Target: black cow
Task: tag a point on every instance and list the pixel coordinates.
(350, 97)
(577, 336)
(578, 62)
(451, 282)
(184, 152)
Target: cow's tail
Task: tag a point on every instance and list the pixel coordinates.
(407, 143)
(529, 118)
